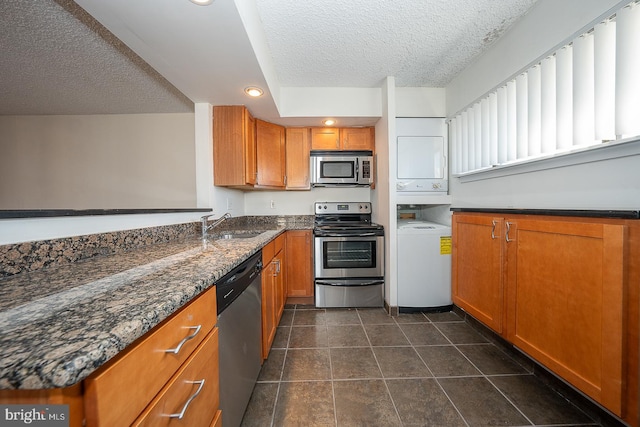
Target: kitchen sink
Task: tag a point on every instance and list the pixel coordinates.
(236, 235)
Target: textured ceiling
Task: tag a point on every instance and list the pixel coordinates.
(59, 59)
(357, 43)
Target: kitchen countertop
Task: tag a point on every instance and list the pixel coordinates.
(613, 214)
(60, 324)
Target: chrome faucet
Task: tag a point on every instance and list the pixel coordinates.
(215, 223)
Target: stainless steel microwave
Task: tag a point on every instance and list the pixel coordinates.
(341, 168)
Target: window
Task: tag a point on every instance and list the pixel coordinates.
(582, 95)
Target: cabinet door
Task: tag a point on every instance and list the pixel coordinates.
(325, 138)
(279, 286)
(566, 301)
(234, 147)
(250, 153)
(268, 308)
(297, 148)
(357, 138)
(477, 275)
(299, 263)
(270, 154)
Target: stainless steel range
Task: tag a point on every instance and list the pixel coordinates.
(348, 256)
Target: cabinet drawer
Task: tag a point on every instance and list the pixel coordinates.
(132, 379)
(279, 243)
(194, 392)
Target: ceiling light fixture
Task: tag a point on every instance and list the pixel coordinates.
(329, 122)
(202, 2)
(253, 91)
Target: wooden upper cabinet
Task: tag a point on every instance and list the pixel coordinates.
(298, 145)
(234, 147)
(357, 138)
(270, 143)
(325, 138)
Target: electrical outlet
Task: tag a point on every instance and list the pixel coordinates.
(229, 204)
(273, 204)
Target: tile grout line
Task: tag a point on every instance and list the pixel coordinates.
(435, 378)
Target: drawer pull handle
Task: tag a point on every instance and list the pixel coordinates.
(493, 228)
(185, 339)
(507, 233)
(180, 415)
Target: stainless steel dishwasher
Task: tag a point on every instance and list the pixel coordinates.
(239, 296)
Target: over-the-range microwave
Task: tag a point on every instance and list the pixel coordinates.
(341, 168)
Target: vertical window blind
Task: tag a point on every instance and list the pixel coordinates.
(583, 94)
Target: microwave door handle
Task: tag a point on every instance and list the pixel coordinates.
(357, 170)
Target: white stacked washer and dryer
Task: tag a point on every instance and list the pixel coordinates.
(424, 266)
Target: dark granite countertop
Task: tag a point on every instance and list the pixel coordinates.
(48, 213)
(613, 214)
(60, 324)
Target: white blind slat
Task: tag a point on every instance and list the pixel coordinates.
(548, 104)
(583, 91)
(628, 71)
(534, 110)
(486, 133)
(564, 97)
(477, 135)
(502, 124)
(493, 129)
(512, 121)
(465, 141)
(522, 116)
(604, 78)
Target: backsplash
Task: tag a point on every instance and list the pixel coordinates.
(31, 256)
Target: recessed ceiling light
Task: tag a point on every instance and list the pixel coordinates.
(329, 122)
(201, 2)
(253, 91)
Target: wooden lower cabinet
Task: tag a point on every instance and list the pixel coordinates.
(273, 290)
(477, 268)
(146, 367)
(557, 288)
(186, 400)
(299, 251)
(566, 302)
(144, 383)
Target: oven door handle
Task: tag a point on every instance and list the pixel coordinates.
(369, 283)
(345, 235)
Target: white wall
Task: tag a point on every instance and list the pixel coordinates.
(420, 102)
(383, 205)
(299, 202)
(594, 182)
(97, 161)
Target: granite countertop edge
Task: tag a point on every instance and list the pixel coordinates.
(59, 340)
(587, 213)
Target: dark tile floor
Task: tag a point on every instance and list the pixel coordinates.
(361, 367)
